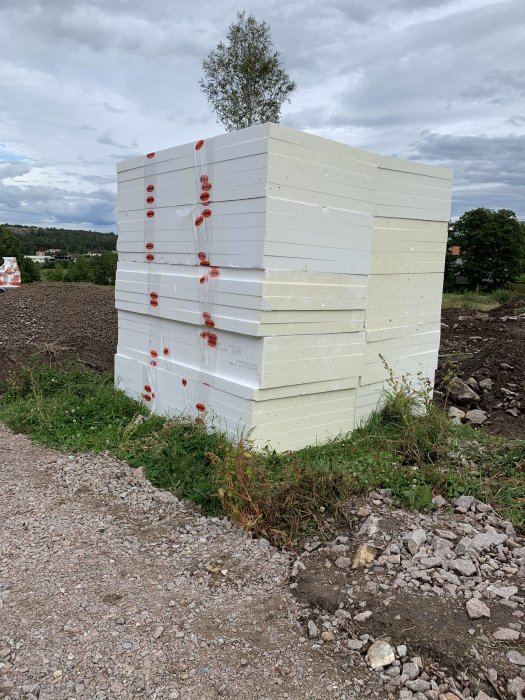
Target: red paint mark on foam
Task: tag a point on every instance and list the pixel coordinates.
(150, 214)
(206, 213)
(206, 315)
(150, 257)
(203, 279)
(199, 144)
(153, 363)
(206, 263)
(146, 397)
(200, 407)
(151, 155)
(153, 302)
(150, 200)
(212, 340)
(201, 255)
(214, 272)
(206, 187)
(149, 245)
(154, 295)
(166, 351)
(150, 188)
(199, 220)
(184, 382)
(153, 353)
(203, 179)
(205, 197)
(147, 389)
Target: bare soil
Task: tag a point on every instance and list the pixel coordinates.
(489, 345)
(434, 627)
(55, 322)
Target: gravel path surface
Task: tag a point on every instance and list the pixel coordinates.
(110, 588)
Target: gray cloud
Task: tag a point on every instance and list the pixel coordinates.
(86, 83)
(9, 170)
(488, 170)
(106, 140)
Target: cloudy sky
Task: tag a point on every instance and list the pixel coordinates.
(85, 84)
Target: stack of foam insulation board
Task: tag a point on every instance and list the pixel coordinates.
(263, 272)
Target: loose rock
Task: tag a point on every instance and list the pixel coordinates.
(364, 555)
(476, 609)
(380, 654)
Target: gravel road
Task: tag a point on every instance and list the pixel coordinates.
(110, 588)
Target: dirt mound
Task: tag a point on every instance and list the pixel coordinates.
(490, 346)
(417, 590)
(57, 322)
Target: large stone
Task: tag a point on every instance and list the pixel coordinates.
(355, 644)
(473, 384)
(486, 384)
(465, 567)
(313, 629)
(413, 540)
(364, 616)
(505, 634)
(460, 392)
(410, 670)
(465, 546)
(476, 417)
(463, 503)
(476, 609)
(505, 592)
(486, 540)
(343, 562)
(364, 555)
(370, 527)
(516, 688)
(516, 658)
(418, 686)
(380, 654)
(456, 415)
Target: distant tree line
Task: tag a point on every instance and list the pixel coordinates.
(69, 241)
(99, 269)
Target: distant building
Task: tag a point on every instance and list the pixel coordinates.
(39, 253)
(40, 257)
(53, 251)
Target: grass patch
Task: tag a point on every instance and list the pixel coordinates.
(478, 301)
(280, 496)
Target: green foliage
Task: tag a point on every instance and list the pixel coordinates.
(10, 247)
(492, 247)
(30, 270)
(55, 274)
(69, 241)
(481, 301)
(79, 271)
(244, 81)
(409, 447)
(104, 268)
(100, 269)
